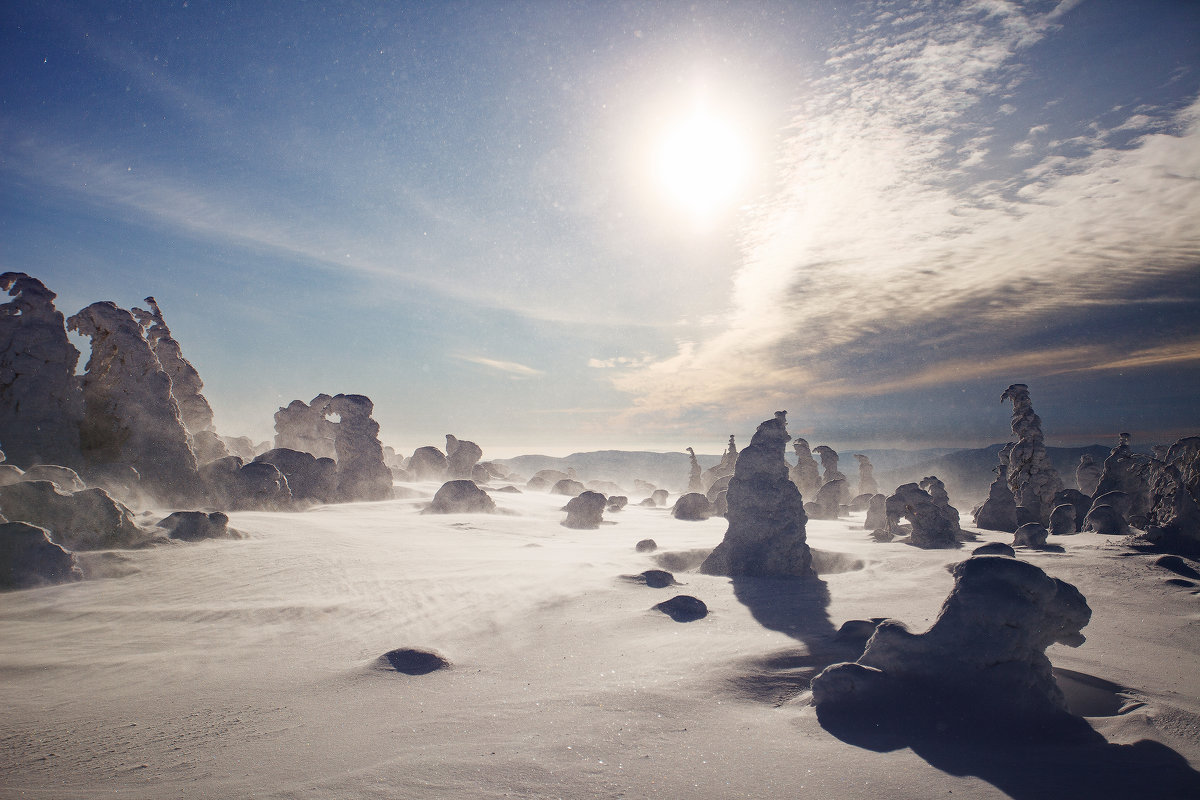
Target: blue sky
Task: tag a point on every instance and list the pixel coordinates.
(460, 210)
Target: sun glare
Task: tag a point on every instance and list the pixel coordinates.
(701, 164)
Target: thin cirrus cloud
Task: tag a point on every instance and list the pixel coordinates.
(508, 367)
(905, 232)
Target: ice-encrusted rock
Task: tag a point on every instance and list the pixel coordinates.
(876, 513)
(695, 476)
(722, 471)
(1128, 472)
(131, 418)
(1031, 534)
(1080, 502)
(719, 486)
(829, 463)
(29, 558)
(10, 474)
(692, 506)
(585, 510)
(1173, 521)
(428, 464)
(984, 656)
(937, 490)
(461, 457)
(1031, 476)
(361, 473)
(41, 399)
(1106, 520)
(195, 526)
(659, 496)
(186, 386)
(683, 608)
(309, 479)
(552, 476)
(828, 501)
(1184, 455)
(766, 534)
(1062, 520)
(64, 478)
(932, 525)
(244, 447)
(569, 487)
(866, 475)
(616, 502)
(646, 546)
(999, 511)
(1087, 474)
(305, 427)
(461, 496)
(806, 474)
(720, 504)
(87, 520)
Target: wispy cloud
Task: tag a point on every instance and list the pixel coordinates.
(894, 256)
(509, 367)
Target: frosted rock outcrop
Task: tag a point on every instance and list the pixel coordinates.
(1079, 502)
(937, 490)
(461, 496)
(932, 526)
(866, 475)
(876, 513)
(87, 520)
(186, 386)
(569, 487)
(428, 464)
(692, 506)
(195, 526)
(1031, 534)
(306, 427)
(1031, 476)
(829, 465)
(585, 510)
(1106, 520)
(722, 470)
(766, 534)
(695, 476)
(461, 457)
(1173, 520)
(41, 400)
(1128, 472)
(309, 479)
(29, 558)
(806, 474)
(232, 485)
(984, 656)
(64, 478)
(131, 418)
(1062, 520)
(361, 473)
(828, 501)
(1087, 474)
(999, 511)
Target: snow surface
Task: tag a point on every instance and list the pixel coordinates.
(241, 668)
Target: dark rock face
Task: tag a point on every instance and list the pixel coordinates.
(766, 534)
(617, 502)
(41, 399)
(994, 549)
(827, 503)
(428, 464)
(585, 510)
(461, 497)
(1031, 476)
(932, 525)
(309, 478)
(692, 506)
(720, 504)
(234, 486)
(655, 579)
(411, 661)
(646, 546)
(1106, 520)
(29, 558)
(806, 475)
(361, 472)
(461, 457)
(683, 608)
(1062, 520)
(568, 487)
(131, 419)
(985, 653)
(193, 526)
(1031, 534)
(87, 520)
(1174, 515)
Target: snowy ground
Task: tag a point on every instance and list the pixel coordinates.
(251, 668)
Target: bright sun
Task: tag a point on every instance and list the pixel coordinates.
(701, 164)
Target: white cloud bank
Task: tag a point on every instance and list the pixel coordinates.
(900, 234)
